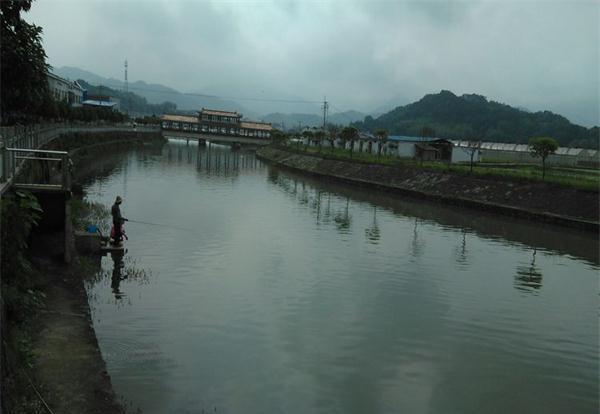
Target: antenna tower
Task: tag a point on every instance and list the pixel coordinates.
(325, 109)
(126, 87)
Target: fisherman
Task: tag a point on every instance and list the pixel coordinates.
(118, 220)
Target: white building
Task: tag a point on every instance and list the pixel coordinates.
(64, 90)
(521, 153)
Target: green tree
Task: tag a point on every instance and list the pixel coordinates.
(542, 147)
(278, 137)
(308, 135)
(349, 134)
(473, 148)
(23, 66)
(333, 132)
(381, 135)
(320, 136)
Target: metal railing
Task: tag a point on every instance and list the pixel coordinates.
(20, 145)
(36, 168)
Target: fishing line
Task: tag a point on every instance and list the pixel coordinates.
(158, 224)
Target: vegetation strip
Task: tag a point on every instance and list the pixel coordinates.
(349, 172)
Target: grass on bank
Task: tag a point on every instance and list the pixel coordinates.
(585, 179)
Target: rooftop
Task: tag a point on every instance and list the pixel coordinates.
(219, 113)
(93, 102)
(71, 83)
(406, 138)
(256, 125)
(179, 118)
(507, 146)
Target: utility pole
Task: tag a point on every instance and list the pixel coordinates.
(325, 109)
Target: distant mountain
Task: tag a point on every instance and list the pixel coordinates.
(311, 120)
(154, 93)
(134, 104)
(390, 104)
(345, 118)
(472, 116)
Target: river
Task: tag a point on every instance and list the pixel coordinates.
(261, 291)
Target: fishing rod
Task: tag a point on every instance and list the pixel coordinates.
(157, 224)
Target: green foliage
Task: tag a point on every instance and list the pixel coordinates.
(90, 114)
(542, 147)
(349, 134)
(307, 134)
(20, 212)
(86, 212)
(320, 136)
(279, 137)
(130, 102)
(568, 177)
(381, 135)
(473, 117)
(148, 120)
(23, 64)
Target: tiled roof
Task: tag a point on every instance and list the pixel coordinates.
(219, 113)
(92, 102)
(256, 125)
(410, 139)
(180, 118)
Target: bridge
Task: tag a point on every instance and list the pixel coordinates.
(216, 126)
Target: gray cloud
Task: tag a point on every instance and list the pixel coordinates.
(539, 55)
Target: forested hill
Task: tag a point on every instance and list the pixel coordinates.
(134, 103)
(474, 117)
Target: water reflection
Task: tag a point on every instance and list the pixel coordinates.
(219, 159)
(460, 251)
(529, 278)
(117, 273)
(496, 227)
(372, 233)
(343, 219)
(319, 297)
(417, 245)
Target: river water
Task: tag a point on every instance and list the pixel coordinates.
(263, 291)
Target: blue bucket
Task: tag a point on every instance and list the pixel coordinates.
(91, 228)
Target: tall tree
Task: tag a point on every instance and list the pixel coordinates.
(350, 134)
(320, 136)
(381, 135)
(472, 148)
(333, 132)
(308, 135)
(542, 147)
(23, 67)
(279, 137)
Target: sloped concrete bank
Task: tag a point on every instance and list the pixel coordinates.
(526, 199)
(81, 144)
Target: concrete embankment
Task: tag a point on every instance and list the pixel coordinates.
(526, 199)
(87, 149)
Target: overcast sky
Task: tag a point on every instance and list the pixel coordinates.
(361, 55)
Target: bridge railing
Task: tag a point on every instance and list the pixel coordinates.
(20, 147)
(45, 168)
